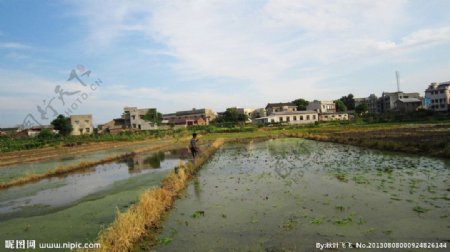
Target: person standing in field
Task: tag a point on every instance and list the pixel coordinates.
(193, 145)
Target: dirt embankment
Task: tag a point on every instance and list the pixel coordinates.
(430, 140)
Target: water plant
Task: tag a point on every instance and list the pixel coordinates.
(198, 214)
(164, 240)
(341, 176)
(420, 209)
(344, 221)
(360, 180)
(340, 208)
(315, 221)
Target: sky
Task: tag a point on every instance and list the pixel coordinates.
(179, 55)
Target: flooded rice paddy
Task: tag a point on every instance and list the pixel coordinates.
(288, 194)
(75, 207)
(18, 170)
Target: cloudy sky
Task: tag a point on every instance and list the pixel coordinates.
(177, 55)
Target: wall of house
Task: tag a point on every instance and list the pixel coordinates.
(293, 118)
(439, 96)
(333, 117)
(81, 125)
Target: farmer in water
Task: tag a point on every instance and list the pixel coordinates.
(193, 145)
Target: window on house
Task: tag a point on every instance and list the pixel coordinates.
(77, 122)
(272, 120)
(88, 130)
(314, 117)
(133, 117)
(295, 118)
(288, 118)
(307, 117)
(86, 121)
(281, 119)
(139, 126)
(301, 118)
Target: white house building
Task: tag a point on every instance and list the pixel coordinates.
(289, 117)
(438, 96)
(324, 117)
(322, 106)
(81, 125)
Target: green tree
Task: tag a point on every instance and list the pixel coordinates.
(349, 101)
(45, 134)
(62, 124)
(340, 106)
(231, 115)
(301, 104)
(153, 116)
(362, 108)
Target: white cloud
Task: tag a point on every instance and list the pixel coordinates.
(279, 48)
(13, 45)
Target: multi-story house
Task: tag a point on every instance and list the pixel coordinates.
(388, 100)
(374, 104)
(438, 96)
(280, 107)
(134, 118)
(190, 117)
(322, 106)
(81, 125)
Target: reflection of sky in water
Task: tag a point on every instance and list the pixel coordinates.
(61, 191)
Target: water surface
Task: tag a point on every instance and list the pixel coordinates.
(291, 193)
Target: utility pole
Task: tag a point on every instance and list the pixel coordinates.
(397, 74)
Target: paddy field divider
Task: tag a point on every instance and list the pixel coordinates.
(131, 225)
(64, 170)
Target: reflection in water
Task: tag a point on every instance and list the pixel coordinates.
(153, 160)
(57, 192)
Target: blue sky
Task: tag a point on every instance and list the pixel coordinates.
(177, 55)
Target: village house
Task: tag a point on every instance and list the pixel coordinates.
(373, 103)
(438, 96)
(322, 106)
(407, 105)
(280, 107)
(81, 125)
(327, 111)
(114, 126)
(388, 100)
(34, 131)
(324, 117)
(190, 117)
(289, 117)
(134, 118)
